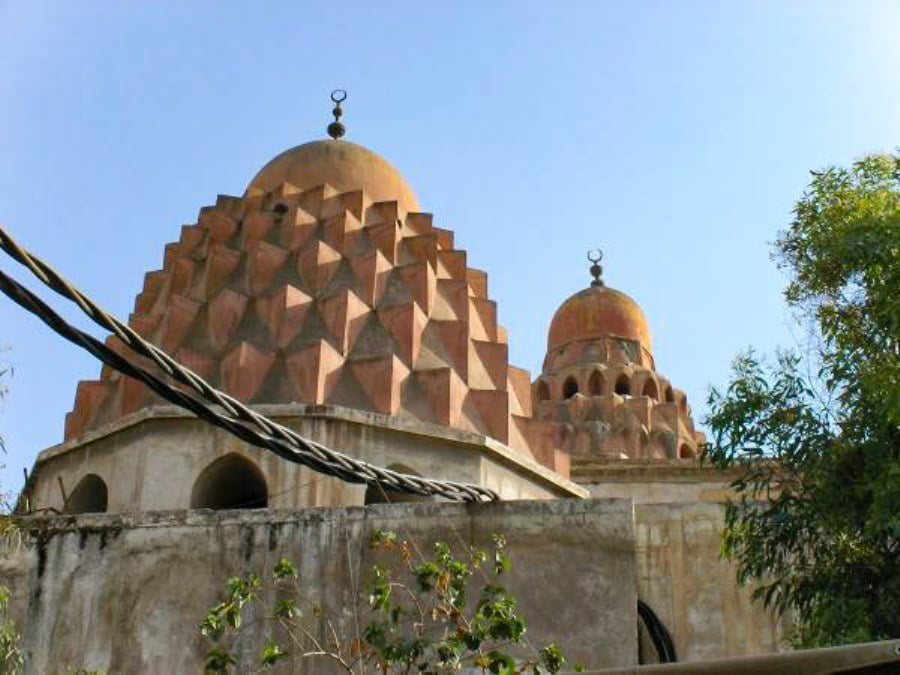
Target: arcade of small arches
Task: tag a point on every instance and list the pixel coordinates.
(601, 381)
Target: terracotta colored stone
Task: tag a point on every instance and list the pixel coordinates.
(296, 229)
(406, 323)
(283, 313)
(255, 227)
(88, 397)
(225, 313)
(386, 238)
(244, 369)
(382, 212)
(382, 379)
(218, 267)
(315, 370)
(344, 314)
(422, 247)
(478, 283)
(220, 225)
(421, 281)
(445, 391)
(264, 260)
(493, 409)
(420, 223)
(317, 264)
(372, 271)
(487, 365)
(452, 265)
(175, 322)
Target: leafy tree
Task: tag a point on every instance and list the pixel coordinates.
(814, 437)
(420, 618)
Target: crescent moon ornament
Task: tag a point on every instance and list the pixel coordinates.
(336, 129)
(595, 256)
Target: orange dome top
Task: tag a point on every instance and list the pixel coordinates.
(596, 312)
(345, 166)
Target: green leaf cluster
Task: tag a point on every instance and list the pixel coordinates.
(813, 439)
(419, 619)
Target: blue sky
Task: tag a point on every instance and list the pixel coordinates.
(674, 135)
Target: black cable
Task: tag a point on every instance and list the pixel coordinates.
(312, 454)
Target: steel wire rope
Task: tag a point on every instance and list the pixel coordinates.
(395, 481)
(289, 446)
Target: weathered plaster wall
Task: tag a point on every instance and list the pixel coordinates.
(124, 593)
(151, 460)
(651, 481)
(682, 577)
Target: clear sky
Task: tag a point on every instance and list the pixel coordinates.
(674, 135)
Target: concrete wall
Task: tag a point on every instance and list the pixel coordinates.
(124, 593)
(150, 460)
(682, 577)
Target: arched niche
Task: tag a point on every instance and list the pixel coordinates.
(543, 391)
(670, 394)
(595, 383)
(230, 482)
(623, 385)
(650, 389)
(377, 495)
(89, 496)
(570, 387)
(685, 451)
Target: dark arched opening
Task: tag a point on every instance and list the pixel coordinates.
(595, 383)
(685, 451)
(670, 395)
(543, 391)
(230, 482)
(623, 385)
(377, 494)
(650, 389)
(89, 496)
(570, 387)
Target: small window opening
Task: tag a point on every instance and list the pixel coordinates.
(670, 395)
(685, 451)
(280, 209)
(230, 482)
(89, 496)
(595, 383)
(650, 389)
(376, 494)
(543, 391)
(623, 385)
(570, 387)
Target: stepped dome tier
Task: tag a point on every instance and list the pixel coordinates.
(343, 165)
(322, 286)
(596, 312)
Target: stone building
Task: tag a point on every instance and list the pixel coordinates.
(329, 301)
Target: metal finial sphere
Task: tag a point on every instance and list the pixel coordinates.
(336, 129)
(595, 256)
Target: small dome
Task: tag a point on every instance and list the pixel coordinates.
(596, 312)
(343, 165)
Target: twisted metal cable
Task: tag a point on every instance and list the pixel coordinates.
(239, 419)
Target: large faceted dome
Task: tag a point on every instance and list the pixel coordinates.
(598, 312)
(343, 165)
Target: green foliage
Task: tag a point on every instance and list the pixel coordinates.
(815, 439)
(11, 657)
(419, 618)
